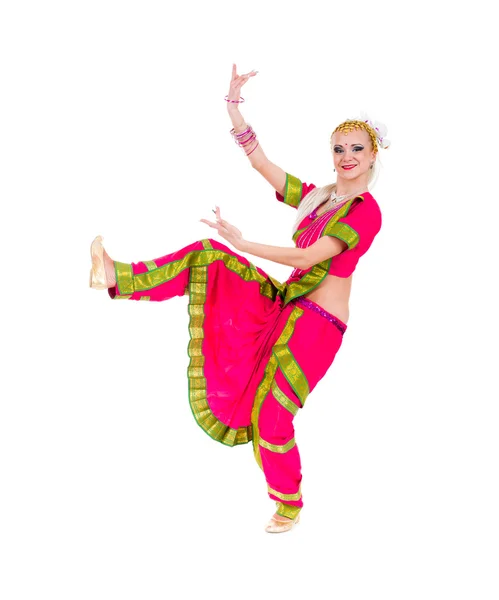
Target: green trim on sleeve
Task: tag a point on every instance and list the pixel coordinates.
(292, 193)
(343, 232)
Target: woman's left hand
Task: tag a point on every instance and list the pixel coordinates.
(226, 230)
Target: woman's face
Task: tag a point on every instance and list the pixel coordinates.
(352, 153)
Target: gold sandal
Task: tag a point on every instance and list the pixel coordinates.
(98, 279)
(279, 526)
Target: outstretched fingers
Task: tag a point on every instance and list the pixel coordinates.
(239, 80)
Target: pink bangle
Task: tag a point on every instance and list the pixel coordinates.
(257, 144)
(241, 133)
(245, 139)
(235, 101)
(248, 141)
(247, 135)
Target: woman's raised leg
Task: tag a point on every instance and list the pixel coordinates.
(158, 279)
(155, 280)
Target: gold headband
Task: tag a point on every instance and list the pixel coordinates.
(350, 125)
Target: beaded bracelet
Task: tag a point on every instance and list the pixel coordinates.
(234, 101)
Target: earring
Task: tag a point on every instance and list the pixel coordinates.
(334, 170)
(372, 164)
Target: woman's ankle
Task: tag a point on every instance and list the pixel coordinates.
(279, 517)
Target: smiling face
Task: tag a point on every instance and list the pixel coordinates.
(352, 153)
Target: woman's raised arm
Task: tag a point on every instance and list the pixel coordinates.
(272, 173)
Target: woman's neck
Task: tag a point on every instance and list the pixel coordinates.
(354, 186)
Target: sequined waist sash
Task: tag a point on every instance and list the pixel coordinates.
(338, 323)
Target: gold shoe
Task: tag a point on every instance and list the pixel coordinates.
(98, 279)
(279, 526)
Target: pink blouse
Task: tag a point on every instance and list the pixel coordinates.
(358, 225)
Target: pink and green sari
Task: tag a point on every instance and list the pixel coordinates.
(257, 347)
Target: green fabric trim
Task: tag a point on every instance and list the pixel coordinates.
(202, 258)
(201, 410)
(292, 371)
(124, 278)
(290, 497)
(287, 510)
(339, 215)
(292, 193)
(306, 284)
(299, 231)
(150, 264)
(336, 229)
(280, 449)
(344, 232)
(266, 382)
(317, 273)
(283, 400)
(127, 283)
(286, 187)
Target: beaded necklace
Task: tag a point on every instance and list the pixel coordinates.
(333, 199)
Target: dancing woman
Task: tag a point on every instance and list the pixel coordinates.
(258, 347)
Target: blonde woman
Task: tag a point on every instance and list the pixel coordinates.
(258, 347)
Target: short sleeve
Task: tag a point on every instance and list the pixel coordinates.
(294, 191)
(358, 227)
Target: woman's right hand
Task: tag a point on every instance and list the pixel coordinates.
(236, 84)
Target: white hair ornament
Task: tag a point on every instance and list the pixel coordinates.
(380, 129)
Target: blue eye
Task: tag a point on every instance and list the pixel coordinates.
(358, 148)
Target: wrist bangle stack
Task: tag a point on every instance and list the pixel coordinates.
(245, 138)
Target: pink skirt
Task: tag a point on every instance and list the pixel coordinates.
(243, 335)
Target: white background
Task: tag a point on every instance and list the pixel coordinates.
(113, 122)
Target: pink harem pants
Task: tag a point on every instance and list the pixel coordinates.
(253, 358)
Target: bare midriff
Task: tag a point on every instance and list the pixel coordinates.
(333, 294)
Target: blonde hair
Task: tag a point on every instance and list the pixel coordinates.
(320, 194)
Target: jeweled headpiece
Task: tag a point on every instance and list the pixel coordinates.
(375, 129)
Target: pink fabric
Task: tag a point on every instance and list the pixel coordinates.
(313, 232)
(241, 327)
(314, 344)
(364, 217)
